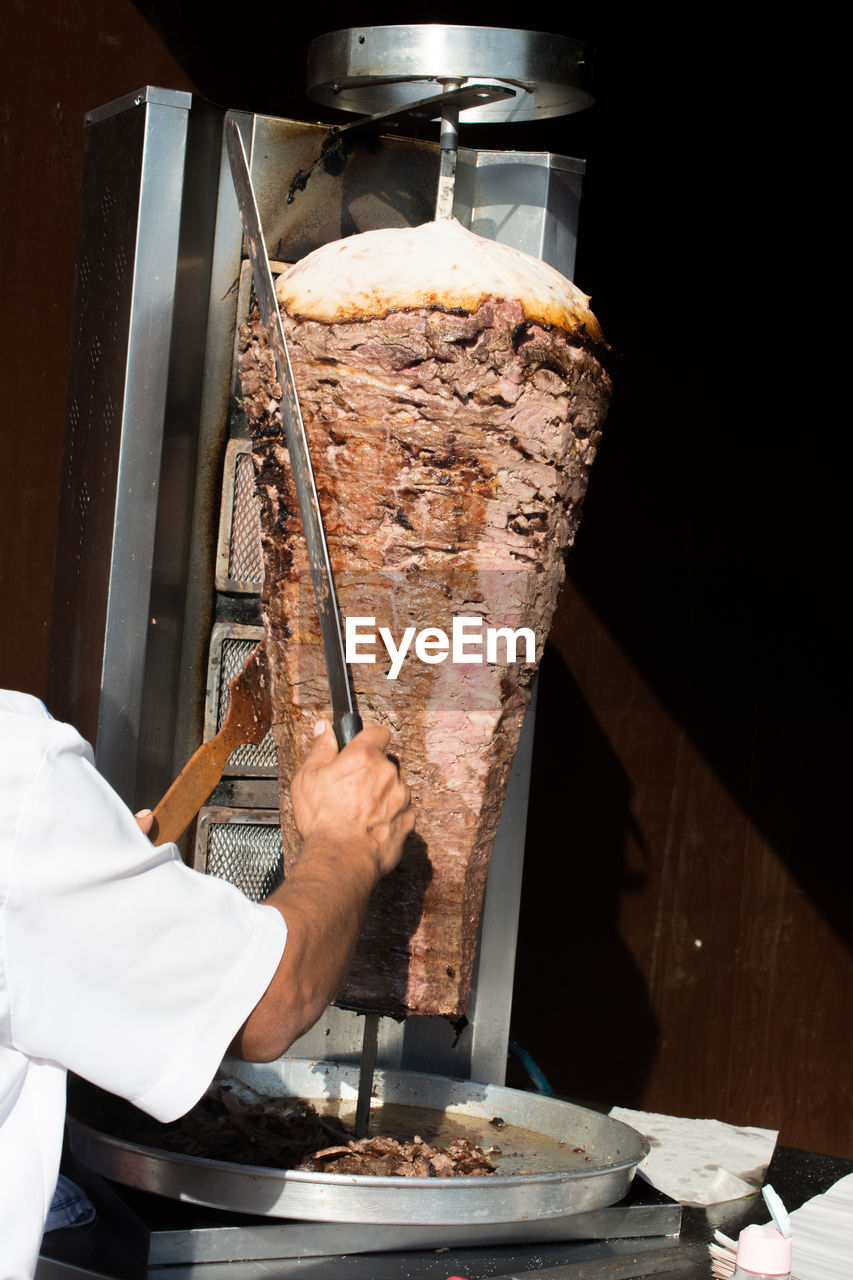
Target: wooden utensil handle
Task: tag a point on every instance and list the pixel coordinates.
(190, 789)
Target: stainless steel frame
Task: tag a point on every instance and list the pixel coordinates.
(152, 408)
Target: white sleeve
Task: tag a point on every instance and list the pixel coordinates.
(122, 964)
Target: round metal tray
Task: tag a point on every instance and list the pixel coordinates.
(557, 1158)
(373, 69)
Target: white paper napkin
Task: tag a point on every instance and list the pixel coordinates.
(822, 1233)
(701, 1162)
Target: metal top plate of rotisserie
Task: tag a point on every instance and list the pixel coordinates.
(557, 1158)
(373, 69)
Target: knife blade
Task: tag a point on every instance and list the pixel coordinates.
(345, 718)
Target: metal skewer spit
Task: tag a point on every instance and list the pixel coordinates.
(390, 71)
(490, 74)
(486, 74)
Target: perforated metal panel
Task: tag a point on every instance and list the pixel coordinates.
(230, 646)
(245, 558)
(239, 561)
(242, 846)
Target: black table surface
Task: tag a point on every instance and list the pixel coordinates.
(795, 1175)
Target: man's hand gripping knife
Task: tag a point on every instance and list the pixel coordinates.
(353, 812)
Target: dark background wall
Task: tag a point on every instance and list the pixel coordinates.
(685, 935)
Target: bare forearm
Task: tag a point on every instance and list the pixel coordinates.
(323, 903)
(354, 813)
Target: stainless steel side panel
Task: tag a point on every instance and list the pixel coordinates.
(123, 308)
(529, 200)
(131, 429)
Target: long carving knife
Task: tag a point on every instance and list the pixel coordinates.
(345, 718)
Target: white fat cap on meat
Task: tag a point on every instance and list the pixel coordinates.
(439, 264)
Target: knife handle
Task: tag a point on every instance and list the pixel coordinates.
(347, 727)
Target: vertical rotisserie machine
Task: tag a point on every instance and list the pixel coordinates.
(159, 565)
(158, 570)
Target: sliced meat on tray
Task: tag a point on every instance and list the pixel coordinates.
(387, 1157)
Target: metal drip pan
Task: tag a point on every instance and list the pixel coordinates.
(557, 1158)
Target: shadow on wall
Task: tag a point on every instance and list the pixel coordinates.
(581, 1008)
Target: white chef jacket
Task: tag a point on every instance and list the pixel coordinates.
(117, 962)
